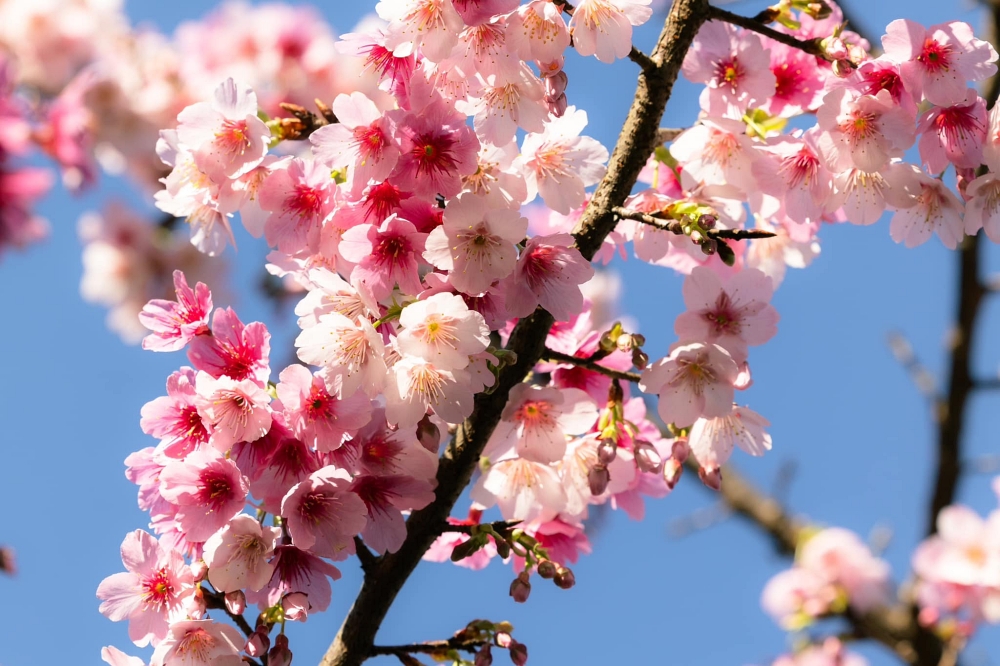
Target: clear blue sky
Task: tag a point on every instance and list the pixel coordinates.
(841, 408)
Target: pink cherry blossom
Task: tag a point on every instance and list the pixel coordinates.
(937, 62)
(316, 417)
(416, 385)
(233, 349)
(717, 151)
(362, 140)
(796, 596)
(982, 210)
(522, 489)
(863, 131)
(432, 26)
(175, 323)
(794, 170)
(799, 80)
(233, 411)
(174, 418)
(783, 250)
(444, 546)
(734, 313)
(226, 136)
(199, 643)
(549, 273)
(933, 209)
(475, 246)
(864, 195)
(559, 163)
(288, 463)
(437, 149)
(378, 450)
(207, 489)
(328, 292)
(115, 657)
(498, 178)
(603, 28)
(733, 65)
(443, 330)
(295, 570)
(386, 497)
(237, 555)
(954, 134)
(503, 106)
(695, 380)
(385, 255)
(154, 591)
(323, 514)
(299, 197)
(350, 353)
(844, 560)
(537, 31)
(537, 420)
(580, 459)
(711, 440)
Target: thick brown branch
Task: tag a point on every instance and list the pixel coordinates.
(810, 46)
(591, 365)
(354, 641)
(675, 226)
(895, 626)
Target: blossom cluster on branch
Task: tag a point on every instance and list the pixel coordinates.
(433, 209)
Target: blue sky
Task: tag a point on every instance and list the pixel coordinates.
(842, 410)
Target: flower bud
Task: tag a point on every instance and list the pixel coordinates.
(547, 569)
(697, 237)
(598, 478)
(564, 578)
(624, 343)
(843, 68)
(520, 588)
(640, 359)
(504, 639)
(551, 68)
(607, 451)
(711, 477)
(296, 606)
(518, 653)
(279, 655)
(555, 85)
(196, 607)
(647, 458)
(428, 434)
(258, 643)
(707, 221)
(8, 564)
(236, 602)
(672, 470)
(680, 450)
(710, 247)
(557, 106)
(484, 657)
(198, 569)
(835, 48)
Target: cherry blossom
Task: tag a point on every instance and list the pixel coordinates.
(317, 418)
(548, 273)
(603, 28)
(324, 514)
(696, 380)
(197, 643)
(175, 323)
(362, 140)
(733, 65)
(537, 420)
(232, 411)
(207, 489)
(237, 555)
(442, 330)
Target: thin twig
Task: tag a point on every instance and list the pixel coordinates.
(810, 46)
(675, 226)
(591, 365)
(499, 526)
(430, 647)
(902, 350)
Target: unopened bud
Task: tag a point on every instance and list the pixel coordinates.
(428, 434)
(520, 587)
(710, 247)
(197, 607)
(711, 477)
(484, 657)
(964, 176)
(258, 643)
(557, 106)
(817, 9)
(598, 478)
(625, 343)
(296, 606)
(555, 85)
(198, 569)
(679, 450)
(551, 68)
(647, 458)
(236, 602)
(607, 451)
(518, 653)
(856, 54)
(8, 563)
(504, 639)
(672, 470)
(279, 655)
(640, 359)
(707, 221)
(547, 569)
(835, 48)
(843, 68)
(564, 578)
(697, 236)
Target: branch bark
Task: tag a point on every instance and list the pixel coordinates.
(354, 642)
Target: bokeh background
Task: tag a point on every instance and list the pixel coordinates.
(847, 422)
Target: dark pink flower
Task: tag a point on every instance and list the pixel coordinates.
(549, 273)
(323, 513)
(385, 255)
(175, 323)
(233, 349)
(437, 148)
(207, 489)
(174, 418)
(296, 570)
(319, 419)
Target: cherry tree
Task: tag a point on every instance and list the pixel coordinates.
(433, 205)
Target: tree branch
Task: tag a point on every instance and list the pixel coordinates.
(354, 641)
(895, 626)
(811, 46)
(217, 600)
(675, 226)
(589, 364)
(431, 647)
(367, 558)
